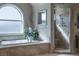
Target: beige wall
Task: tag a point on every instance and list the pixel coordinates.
(74, 30)
(45, 31)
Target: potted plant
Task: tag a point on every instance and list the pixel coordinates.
(35, 34)
(31, 34)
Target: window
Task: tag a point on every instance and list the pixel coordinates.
(42, 19)
(43, 16)
(11, 20)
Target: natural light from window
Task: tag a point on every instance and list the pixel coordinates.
(10, 20)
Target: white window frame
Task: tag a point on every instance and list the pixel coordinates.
(21, 12)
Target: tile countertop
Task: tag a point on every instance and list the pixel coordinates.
(22, 42)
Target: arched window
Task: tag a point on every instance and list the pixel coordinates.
(11, 19)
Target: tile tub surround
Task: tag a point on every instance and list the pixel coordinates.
(21, 42)
(25, 50)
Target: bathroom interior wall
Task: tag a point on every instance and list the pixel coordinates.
(44, 31)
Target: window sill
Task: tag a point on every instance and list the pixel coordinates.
(21, 43)
(11, 34)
